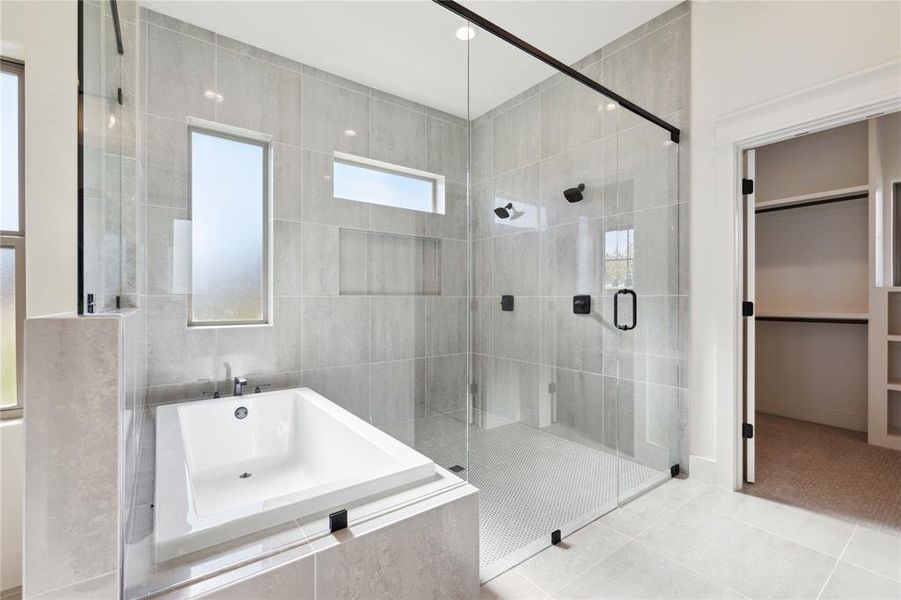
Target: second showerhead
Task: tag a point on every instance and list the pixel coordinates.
(503, 212)
(574, 194)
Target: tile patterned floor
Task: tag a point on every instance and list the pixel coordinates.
(687, 539)
(530, 482)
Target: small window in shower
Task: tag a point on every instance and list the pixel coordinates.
(619, 257)
(230, 229)
(375, 182)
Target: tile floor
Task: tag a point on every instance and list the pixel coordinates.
(530, 482)
(687, 539)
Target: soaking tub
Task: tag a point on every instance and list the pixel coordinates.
(232, 466)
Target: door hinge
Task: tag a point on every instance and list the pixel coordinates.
(473, 388)
(747, 431)
(747, 309)
(747, 186)
(119, 98)
(551, 388)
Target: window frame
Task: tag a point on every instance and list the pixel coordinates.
(439, 197)
(15, 239)
(263, 141)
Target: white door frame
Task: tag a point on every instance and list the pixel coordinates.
(836, 103)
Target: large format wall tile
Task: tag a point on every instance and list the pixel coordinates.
(429, 555)
(516, 135)
(330, 113)
(335, 331)
(398, 135)
(73, 382)
(259, 96)
(180, 69)
(397, 328)
(177, 353)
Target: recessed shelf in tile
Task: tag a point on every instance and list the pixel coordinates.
(374, 263)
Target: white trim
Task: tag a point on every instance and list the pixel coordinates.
(839, 102)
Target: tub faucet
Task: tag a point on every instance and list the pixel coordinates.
(240, 382)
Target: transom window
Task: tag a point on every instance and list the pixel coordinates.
(376, 182)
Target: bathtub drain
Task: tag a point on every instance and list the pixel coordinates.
(244, 475)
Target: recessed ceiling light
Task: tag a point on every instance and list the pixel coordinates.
(350, 132)
(466, 33)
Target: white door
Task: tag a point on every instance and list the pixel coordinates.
(750, 339)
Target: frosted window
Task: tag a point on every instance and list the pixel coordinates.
(387, 185)
(8, 375)
(9, 132)
(229, 229)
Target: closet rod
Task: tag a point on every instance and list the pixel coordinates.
(839, 320)
(767, 209)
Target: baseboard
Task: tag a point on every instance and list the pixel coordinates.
(703, 469)
(814, 414)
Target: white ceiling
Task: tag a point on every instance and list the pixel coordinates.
(408, 48)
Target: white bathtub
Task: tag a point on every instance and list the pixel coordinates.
(304, 455)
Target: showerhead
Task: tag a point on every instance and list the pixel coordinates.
(574, 194)
(503, 212)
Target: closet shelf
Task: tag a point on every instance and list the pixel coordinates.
(815, 317)
(851, 193)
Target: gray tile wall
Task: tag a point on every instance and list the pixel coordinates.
(79, 379)
(370, 301)
(576, 375)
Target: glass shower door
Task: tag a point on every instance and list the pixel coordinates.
(642, 263)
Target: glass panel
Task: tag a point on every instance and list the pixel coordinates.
(384, 186)
(8, 374)
(645, 260)
(104, 123)
(9, 131)
(542, 447)
(229, 223)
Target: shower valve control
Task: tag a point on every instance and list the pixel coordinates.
(581, 305)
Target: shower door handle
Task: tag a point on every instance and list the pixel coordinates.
(625, 292)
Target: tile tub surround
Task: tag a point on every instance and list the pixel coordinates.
(610, 386)
(347, 321)
(293, 453)
(255, 554)
(688, 539)
(80, 386)
(425, 550)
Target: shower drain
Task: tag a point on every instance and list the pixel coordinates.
(244, 475)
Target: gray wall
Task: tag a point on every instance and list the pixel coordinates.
(348, 320)
(608, 388)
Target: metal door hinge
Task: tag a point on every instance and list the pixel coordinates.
(473, 388)
(747, 431)
(747, 309)
(551, 388)
(747, 186)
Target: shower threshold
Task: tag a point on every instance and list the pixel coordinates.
(530, 482)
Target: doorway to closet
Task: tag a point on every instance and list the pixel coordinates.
(822, 327)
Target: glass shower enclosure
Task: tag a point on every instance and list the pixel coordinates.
(471, 249)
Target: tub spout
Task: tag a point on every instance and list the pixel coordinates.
(240, 382)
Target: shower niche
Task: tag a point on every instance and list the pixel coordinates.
(375, 263)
